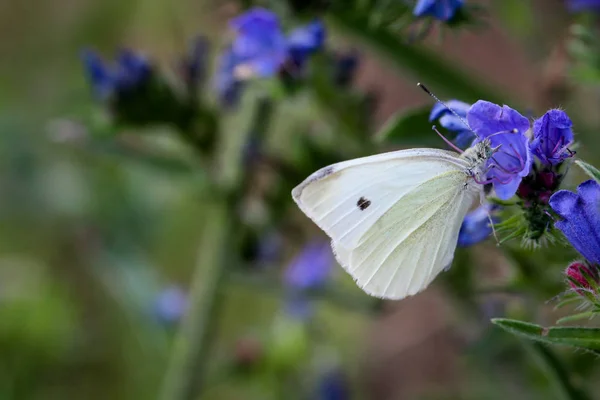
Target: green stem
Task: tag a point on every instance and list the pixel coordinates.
(187, 368)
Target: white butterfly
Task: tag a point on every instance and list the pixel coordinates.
(394, 218)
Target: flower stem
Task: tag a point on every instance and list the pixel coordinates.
(187, 368)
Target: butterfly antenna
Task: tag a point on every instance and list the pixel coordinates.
(449, 143)
(464, 121)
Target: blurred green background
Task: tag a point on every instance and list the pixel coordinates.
(91, 234)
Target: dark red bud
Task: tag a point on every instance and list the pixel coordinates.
(547, 180)
(248, 351)
(579, 274)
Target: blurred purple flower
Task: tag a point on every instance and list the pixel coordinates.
(260, 46)
(311, 268)
(442, 10)
(304, 41)
(333, 385)
(513, 160)
(476, 225)
(464, 136)
(269, 247)
(228, 87)
(261, 49)
(194, 63)
(551, 135)
(580, 213)
(346, 66)
(583, 5)
(171, 304)
(129, 71)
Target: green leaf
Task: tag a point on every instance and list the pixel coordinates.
(583, 338)
(407, 124)
(589, 169)
(576, 317)
(425, 66)
(557, 373)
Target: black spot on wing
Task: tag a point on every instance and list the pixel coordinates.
(363, 203)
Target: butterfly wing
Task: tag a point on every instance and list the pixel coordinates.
(393, 218)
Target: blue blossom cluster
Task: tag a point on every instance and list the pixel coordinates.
(136, 93)
(527, 162)
(261, 49)
(127, 73)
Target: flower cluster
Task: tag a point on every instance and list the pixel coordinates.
(136, 93)
(260, 49)
(527, 161)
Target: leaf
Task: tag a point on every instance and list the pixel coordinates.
(424, 65)
(557, 373)
(589, 169)
(583, 338)
(407, 124)
(576, 317)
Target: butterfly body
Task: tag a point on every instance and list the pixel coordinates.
(394, 218)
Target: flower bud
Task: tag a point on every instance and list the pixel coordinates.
(581, 277)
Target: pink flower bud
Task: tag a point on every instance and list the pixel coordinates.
(580, 274)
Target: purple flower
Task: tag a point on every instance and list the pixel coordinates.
(171, 304)
(345, 68)
(551, 135)
(333, 385)
(129, 71)
(227, 86)
(311, 268)
(506, 128)
(464, 136)
(260, 46)
(583, 5)
(442, 10)
(476, 225)
(580, 213)
(304, 41)
(193, 65)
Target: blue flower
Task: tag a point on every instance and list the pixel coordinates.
(551, 135)
(170, 305)
(583, 5)
(476, 225)
(464, 136)
(345, 68)
(194, 63)
(311, 268)
(442, 10)
(260, 47)
(304, 41)
(227, 86)
(333, 385)
(506, 128)
(129, 71)
(580, 213)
